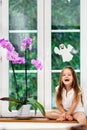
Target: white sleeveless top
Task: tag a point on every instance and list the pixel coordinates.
(68, 99)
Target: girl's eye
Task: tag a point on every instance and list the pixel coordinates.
(69, 74)
(66, 74)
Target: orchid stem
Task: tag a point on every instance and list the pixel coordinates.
(15, 81)
(26, 74)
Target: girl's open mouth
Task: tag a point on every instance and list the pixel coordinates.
(66, 79)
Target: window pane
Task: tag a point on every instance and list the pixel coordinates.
(72, 39)
(16, 40)
(65, 44)
(23, 14)
(19, 90)
(65, 14)
(23, 17)
(55, 82)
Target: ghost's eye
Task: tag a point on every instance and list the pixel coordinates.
(62, 47)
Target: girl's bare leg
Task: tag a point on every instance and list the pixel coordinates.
(53, 114)
(80, 117)
(61, 118)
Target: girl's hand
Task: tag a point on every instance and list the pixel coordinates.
(63, 114)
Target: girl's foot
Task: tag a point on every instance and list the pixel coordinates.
(60, 119)
(69, 118)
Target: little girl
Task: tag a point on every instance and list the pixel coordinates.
(68, 98)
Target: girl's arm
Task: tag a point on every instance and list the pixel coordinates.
(60, 108)
(74, 104)
(59, 104)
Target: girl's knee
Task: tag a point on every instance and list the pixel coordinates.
(80, 117)
(82, 120)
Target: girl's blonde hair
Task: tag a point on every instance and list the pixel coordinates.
(75, 85)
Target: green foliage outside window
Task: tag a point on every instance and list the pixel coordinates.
(72, 38)
(65, 14)
(32, 85)
(16, 39)
(22, 14)
(55, 83)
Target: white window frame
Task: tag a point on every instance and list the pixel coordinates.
(44, 41)
(4, 66)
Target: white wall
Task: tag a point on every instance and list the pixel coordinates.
(83, 48)
(0, 49)
(0, 17)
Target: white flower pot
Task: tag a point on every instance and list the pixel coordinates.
(24, 111)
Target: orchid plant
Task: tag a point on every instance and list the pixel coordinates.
(14, 58)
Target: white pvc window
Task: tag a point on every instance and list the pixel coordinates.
(44, 92)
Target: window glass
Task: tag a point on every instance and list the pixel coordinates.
(65, 14)
(22, 14)
(18, 91)
(65, 39)
(55, 79)
(71, 42)
(23, 17)
(16, 40)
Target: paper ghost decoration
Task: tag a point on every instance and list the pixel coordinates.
(64, 52)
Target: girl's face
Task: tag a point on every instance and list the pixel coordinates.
(67, 77)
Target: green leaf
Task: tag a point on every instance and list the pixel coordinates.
(11, 105)
(17, 103)
(41, 108)
(38, 105)
(18, 106)
(33, 105)
(10, 99)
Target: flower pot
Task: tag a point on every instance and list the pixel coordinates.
(24, 111)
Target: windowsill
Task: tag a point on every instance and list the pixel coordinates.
(32, 119)
(34, 124)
